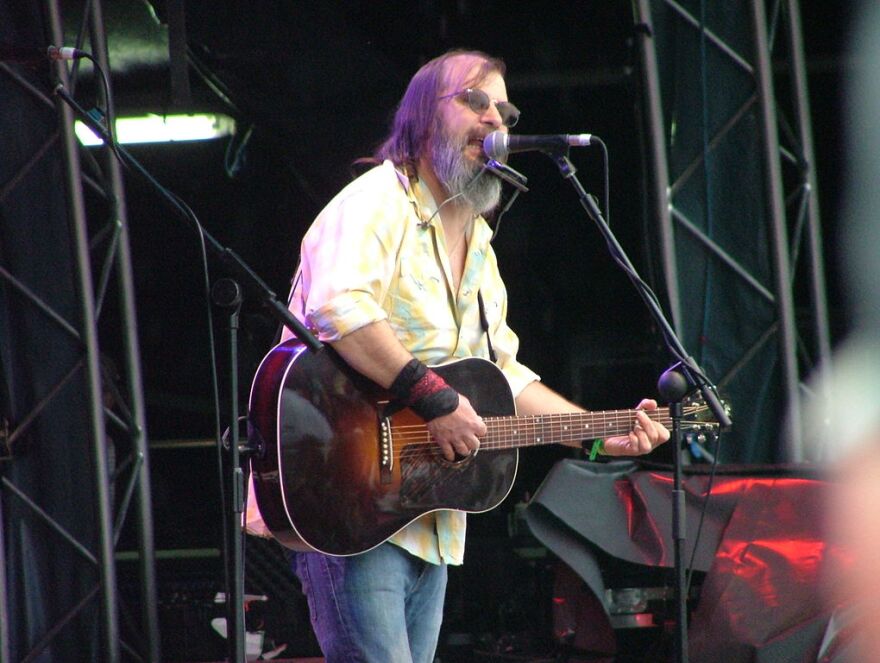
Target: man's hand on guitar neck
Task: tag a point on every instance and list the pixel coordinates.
(458, 433)
(645, 436)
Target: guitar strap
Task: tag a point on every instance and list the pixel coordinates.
(484, 323)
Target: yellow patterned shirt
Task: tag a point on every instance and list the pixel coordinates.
(377, 252)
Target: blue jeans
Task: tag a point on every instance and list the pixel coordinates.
(382, 606)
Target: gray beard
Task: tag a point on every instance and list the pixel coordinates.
(464, 178)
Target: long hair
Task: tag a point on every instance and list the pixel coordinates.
(415, 116)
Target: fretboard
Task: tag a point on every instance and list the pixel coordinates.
(512, 432)
(535, 430)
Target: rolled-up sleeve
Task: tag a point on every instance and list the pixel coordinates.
(344, 314)
(349, 258)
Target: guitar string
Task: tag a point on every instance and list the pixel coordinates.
(421, 438)
(613, 415)
(426, 449)
(425, 446)
(410, 436)
(539, 421)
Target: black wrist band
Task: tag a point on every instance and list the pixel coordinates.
(409, 375)
(437, 404)
(425, 392)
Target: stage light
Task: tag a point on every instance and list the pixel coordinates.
(152, 128)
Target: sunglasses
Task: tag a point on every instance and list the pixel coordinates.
(479, 102)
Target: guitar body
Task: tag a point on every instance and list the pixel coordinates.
(335, 473)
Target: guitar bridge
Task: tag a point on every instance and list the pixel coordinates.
(386, 449)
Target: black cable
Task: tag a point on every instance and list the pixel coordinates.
(607, 178)
(502, 212)
(107, 118)
(703, 511)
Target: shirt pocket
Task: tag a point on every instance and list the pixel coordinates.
(420, 299)
(421, 274)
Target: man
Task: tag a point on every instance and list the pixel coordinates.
(394, 274)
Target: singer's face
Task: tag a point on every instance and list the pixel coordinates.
(456, 146)
(458, 121)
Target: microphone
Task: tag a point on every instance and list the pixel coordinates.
(497, 145)
(30, 54)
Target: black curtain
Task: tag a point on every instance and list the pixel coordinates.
(713, 135)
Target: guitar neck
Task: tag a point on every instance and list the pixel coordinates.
(535, 430)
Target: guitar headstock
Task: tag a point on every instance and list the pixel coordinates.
(697, 423)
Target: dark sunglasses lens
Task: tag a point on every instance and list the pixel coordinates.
(477, 100)
(509, 113)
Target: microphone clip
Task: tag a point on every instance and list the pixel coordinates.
(507, 174)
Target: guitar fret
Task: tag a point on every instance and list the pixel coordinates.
(515, 431)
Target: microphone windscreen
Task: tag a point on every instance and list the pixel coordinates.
(495, 145)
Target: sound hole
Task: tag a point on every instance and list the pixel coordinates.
(425, 476)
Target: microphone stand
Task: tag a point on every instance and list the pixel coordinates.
(227, 294)
(674, 384)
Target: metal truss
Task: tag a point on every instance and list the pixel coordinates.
(790, 193)
(116, 411)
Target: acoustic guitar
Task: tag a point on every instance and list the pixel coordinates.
(340, 468)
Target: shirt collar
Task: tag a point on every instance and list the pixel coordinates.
(420, 196)
(423, 202)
